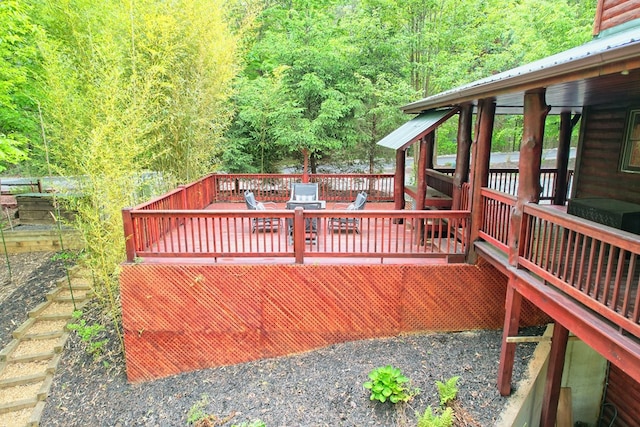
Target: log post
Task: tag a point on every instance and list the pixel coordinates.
(535, 113)
(463, 153)
(430, 140)
(562, 159)
(480, 169)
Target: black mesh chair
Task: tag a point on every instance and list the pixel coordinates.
(263, 224)
(347, 224)
(310, 224)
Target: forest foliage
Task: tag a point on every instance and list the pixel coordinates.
(117, 91)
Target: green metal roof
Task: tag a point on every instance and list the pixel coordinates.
(416, 128)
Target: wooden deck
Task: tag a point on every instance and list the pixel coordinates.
(231, 239)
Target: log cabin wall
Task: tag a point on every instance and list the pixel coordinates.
(598, 168)
(622, 400)
(611, 13)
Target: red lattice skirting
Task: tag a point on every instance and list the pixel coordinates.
(184, 317)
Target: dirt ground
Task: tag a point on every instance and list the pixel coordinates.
(24, 281)
(316, 388)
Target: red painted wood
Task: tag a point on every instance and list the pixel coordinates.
(554, 376)
(183, 317)
(129, 234)
(398, 192)
(481, 155)
(535, 112)
(463, 154)
(513, 305)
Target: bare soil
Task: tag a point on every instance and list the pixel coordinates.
(316, 388)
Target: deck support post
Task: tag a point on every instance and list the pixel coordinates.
(299, 232)
(562, 159)
(127, 222)
(554, 376)
(463, 153)
(421, 191)
(305, 167)
(513, 304)
(398, 181)
(183, 196)
(480, 169)
(535, 113)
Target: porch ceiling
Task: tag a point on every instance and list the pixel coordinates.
(597, 72)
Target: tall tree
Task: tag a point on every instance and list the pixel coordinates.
(130, 86)
(18, 62)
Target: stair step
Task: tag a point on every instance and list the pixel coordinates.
(10, 370)
(9, 408)
(29, 350)
(18, 417)
(36, 328)
(62, 293)
(18, 393)
(22, 380)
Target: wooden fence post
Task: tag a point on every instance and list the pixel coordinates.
(129, 238)
(298, 234)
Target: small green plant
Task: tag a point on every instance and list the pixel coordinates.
(388, 383)
(255, 423)
(199, 417)
(197, 412)
(88, 334)
(430, 419)
(447, 390)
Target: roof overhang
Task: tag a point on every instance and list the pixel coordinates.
(416, 128)
(571, 78)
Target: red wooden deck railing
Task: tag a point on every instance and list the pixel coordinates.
(506, 181)
(496, 221)
(379, 234)
(276, 187)
(594, 264)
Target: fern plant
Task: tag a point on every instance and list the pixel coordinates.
(447, 390)
(430, 419)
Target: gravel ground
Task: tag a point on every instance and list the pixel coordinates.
(317, 388)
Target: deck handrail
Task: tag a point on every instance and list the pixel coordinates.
(496, 224)
(506, 180)
(331, 187)
(216, 234)
(594, 264)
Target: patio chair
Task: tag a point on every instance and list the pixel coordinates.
(264, 224)
(348, 224)
(304, 192)
(310, 224)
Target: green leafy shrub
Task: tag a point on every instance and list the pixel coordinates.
(430, 419)
(88, 334)
(447, 390)
(388, 383)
